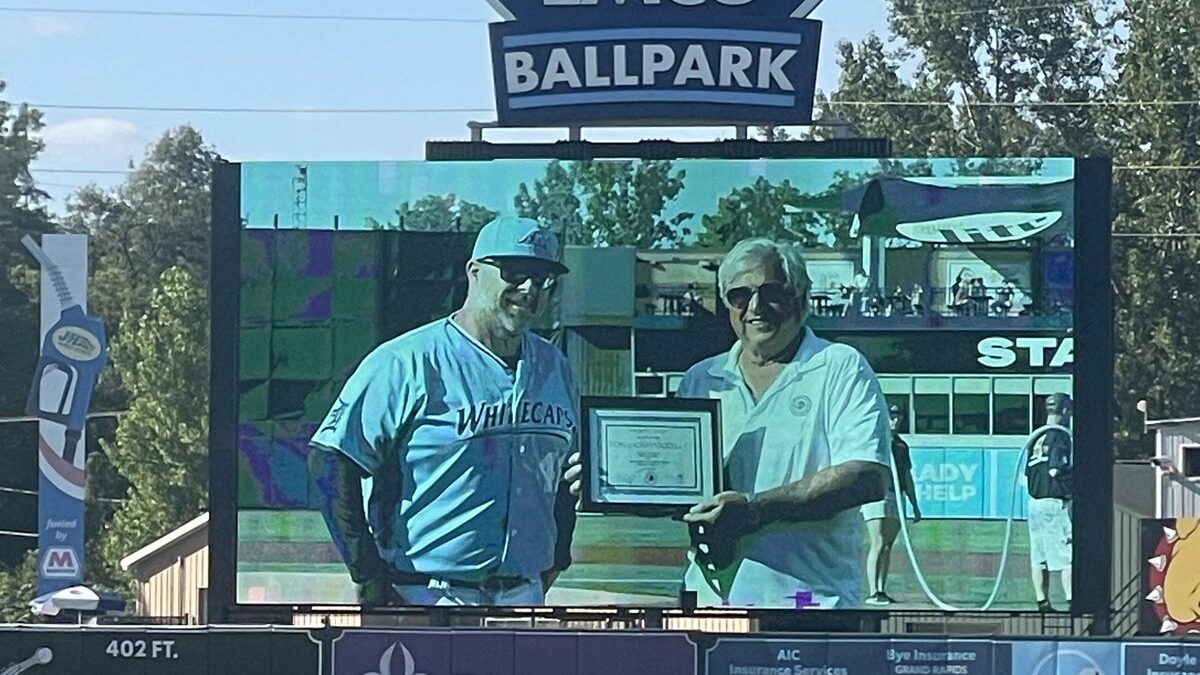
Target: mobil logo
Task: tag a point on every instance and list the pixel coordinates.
(60, 562)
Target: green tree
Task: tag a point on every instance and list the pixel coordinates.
(158, 219)
(608, 203)
(553, 201)
(1155, 269)
(21, 213)
(979, 59)
(161, 445)
(18, 585)
(438, 213)
(757, 210)
(781, 211)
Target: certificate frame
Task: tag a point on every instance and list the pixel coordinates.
(611, 485)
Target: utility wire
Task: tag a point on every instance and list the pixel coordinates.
(93, 415)
(11, 533)
(241, 15)
(420, 19)
(406, 111)
(257, 111)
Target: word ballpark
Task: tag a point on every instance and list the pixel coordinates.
(657, 65)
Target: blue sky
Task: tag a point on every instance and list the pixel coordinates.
(62, 58)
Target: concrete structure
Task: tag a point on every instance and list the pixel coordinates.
(1177, 456)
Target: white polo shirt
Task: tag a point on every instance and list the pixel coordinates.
(825, 408)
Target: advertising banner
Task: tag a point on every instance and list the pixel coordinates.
(562, 62)
(1170, 601)
(367, 652)
(748, 656)
(74, 351)
(735, 656)
(141, 651)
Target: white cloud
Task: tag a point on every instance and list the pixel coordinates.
(40, 27)
(93, 143)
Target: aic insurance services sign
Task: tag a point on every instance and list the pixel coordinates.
(564, 62)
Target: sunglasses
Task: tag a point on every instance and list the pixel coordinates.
(773, 293)
(515, 273)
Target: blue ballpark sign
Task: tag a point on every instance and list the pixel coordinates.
(564, 62)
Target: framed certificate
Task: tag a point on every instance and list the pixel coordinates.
(650, 456)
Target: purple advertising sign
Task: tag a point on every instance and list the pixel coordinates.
(857, 657)
(435, 652)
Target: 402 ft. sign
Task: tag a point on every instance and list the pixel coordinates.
(564, 62)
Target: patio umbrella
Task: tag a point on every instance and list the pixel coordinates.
(79, 599)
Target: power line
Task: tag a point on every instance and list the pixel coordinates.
(431, 19)
(1152, 235)
(997, 10)
(1012, 104)
(1130, 167)
(18, 491)
(242, 15)
(104, 171)
(256, 111)
(408, 111)
(94, 415)
(10, 533)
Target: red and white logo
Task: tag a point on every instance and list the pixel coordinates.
(60, 563)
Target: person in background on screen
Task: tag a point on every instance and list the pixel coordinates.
(883, 517)
(464, 425)
(805, 441)
(916, 299)
(1048, 478)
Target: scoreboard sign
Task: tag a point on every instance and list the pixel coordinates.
(559, 62)
(53, 650)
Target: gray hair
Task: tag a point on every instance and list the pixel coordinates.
(753, 252)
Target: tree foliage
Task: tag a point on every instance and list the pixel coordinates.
(18, 585)
(149, 251)
(158, 219)
(1157, 276)
(438, 213)
(161, 445)
(21, 213)
(608, 203)
(979, 58)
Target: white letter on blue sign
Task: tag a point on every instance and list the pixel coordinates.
(694, 66)
(591, 66)
(656, 59)
(518, 69)
(772, 68)
(735, 61)
(621, 76)
(560, 69)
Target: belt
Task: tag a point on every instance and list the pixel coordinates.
(490, 584)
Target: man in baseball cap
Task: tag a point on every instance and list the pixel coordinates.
(465, 425)
(518, 239)
(1048, 479)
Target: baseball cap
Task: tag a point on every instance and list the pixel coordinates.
(1058, 402)
(513, 237)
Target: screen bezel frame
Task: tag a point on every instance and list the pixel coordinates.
(1092, 374)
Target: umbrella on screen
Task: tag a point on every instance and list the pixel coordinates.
(952, 210)
(78, 599)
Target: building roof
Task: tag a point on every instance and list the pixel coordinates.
(180, 533)
(1167, 423)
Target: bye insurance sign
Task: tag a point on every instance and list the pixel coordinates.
(565, 62)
